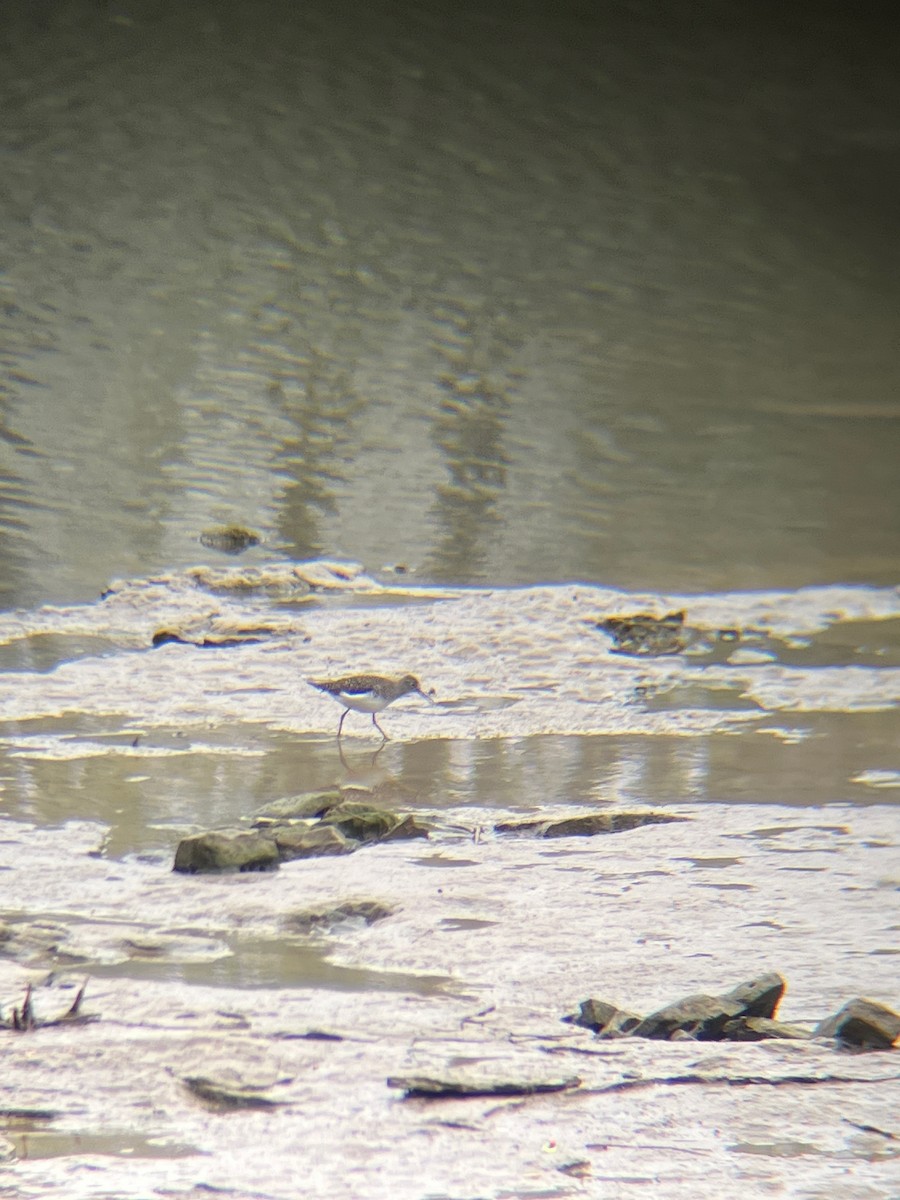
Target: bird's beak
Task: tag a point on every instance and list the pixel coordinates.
(427, 696)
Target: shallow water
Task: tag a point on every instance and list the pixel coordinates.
(532, 703)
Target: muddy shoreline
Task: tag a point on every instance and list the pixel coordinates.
(245, 1025)
(496, 938)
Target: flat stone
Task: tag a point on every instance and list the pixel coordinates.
(225, 850)
(587, 825)
(228, 1094)
(862, 1024)
(759, 1029)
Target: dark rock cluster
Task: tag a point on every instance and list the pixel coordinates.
(321, 823)
(306, 826)
(745, 1014)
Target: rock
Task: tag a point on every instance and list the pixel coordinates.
(226, 1094)
(862, 1024)
(644, 633)
(587, 825)
(701, 1017)
(605, 823)
(310, 841)
(758, 1029)
(604, 1019)
(230, 539)
(758, 997)
(745, 1014)
(226, 850)
(406, 829)
(706, 1017)
(287, 829)
(362, 821)
(306, 805)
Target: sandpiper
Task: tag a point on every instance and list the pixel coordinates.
(368, 693)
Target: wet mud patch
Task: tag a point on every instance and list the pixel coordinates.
(845, 644)
(36, 1142)
(300, 957)
(260, 963)
(44, 652)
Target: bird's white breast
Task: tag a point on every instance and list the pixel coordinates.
(363, 701)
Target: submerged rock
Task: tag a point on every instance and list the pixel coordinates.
(644, 633)
(230, 539)
(367, 911)
(226, 850)
(862, 1024)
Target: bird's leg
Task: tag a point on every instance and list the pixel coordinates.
(380, 730)
(341, 722)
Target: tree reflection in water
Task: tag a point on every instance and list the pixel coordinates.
(478, 386)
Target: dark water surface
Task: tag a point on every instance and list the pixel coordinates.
(575, 291)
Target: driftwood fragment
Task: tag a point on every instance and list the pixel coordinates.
(24, 1019)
